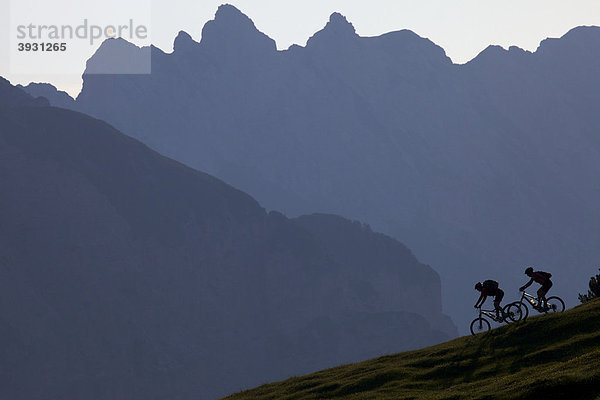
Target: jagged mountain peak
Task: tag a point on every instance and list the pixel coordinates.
(233, 29)
(337, 29)
(583, 41)
(495, 54)
(589, 33)
(115, 44)
(517, 50)
(494, 49)
(57, 98)
(230, 12)
(184, 42)
(12, 96)
(582, 37)
(339, 22)
(119, 56)
(409, 47)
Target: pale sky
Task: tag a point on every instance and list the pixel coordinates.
(462, 27)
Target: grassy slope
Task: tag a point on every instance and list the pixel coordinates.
(551, 357)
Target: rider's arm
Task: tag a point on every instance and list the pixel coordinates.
(481, 299)
(522, 288)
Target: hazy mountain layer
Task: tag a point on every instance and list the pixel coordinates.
(481, 168)
(126, 275)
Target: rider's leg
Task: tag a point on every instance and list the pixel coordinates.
(541, 297)
(498, 309)
(542, 294)
(497, 300)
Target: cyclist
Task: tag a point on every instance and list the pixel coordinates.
(490, 288)
(543, 278)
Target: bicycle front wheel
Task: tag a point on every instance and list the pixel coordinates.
(513, 312)
(524, 309)
(555, 304)
(480, 325)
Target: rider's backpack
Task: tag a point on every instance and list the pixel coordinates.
(490, 285)
(546, 275)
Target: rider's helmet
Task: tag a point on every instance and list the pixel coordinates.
(529, 271)
(478, 286)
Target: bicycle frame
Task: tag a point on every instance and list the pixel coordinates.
(481, 324)
(552, 303)
(489, 313)
(533, 300)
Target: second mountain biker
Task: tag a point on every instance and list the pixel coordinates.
(543, 278)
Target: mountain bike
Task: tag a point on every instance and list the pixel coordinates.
(553, 304)
(510, 313)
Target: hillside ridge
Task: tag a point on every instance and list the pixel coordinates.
(553, 356)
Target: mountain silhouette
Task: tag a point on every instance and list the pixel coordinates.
(126, 274)
(481, 169)
(11, 96)
(46, 90)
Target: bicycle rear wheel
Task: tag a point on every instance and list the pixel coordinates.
(555, 304)
(513, 312)
(480, 325)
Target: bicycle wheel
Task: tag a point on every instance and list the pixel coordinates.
(555, 304)
(480, 325)
(513, 312)
(524, 309)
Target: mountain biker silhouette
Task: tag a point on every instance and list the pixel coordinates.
(543, 278)
(490, 288)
